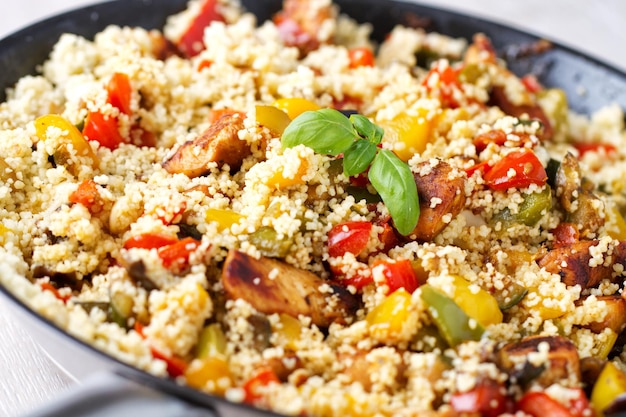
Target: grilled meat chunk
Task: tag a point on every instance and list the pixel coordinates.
(572, 263)
(220, 143)
(441, 192)
(272, 286)
(562, 362)
(615, 318)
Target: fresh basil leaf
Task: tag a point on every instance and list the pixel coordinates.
(358, 157)
(326, 131)
(394, 181)
(366, 129)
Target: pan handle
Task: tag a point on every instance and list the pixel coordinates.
(111, 395)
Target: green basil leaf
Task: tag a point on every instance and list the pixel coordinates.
(358, 157)
(367, 129)
(326, 131)
(394, 181)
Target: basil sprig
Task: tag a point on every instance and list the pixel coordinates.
(329, 132)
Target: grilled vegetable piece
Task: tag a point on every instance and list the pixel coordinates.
(533, 110)
(220, 143)
(272, 286)
(615, 318)
(441, 192)
(562, 358)
(572, 263)
(575, 196)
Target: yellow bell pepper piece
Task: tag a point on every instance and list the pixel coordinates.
(615, 218)
(223, 217)
(294, 107)
(610, 384)
(280, 181)
(72, 136)
(210, 374)
(476, 302)
(273, 118)
(407, 134)
(542, 307)
(387, 320)
(288, 331)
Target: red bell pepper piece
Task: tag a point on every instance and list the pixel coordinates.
(150, 241)
(488, 398)
(252, 386)
(191, 42)
(361, 57)
(176, 255)
(349, 237)
(87, 194)
(120, 91)
(398, 274)
(540, 404)
(103, 129)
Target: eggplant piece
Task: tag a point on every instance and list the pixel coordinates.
(440, 193)
(575, 196)
(272, 286)
(220, 143)
(562, 360)
(534, 111)
(138, 274)
(572, 263)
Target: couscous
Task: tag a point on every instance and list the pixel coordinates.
(288, 215)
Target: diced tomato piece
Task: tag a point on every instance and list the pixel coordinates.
(205, 63)
(87, 194)
(349, 237)
(398, 274)
(176, 256)
(605, 148)
(518, 169)
(361, 57)
(150, 241)
(531, 83)
(540, 404)
(47, 286)
(565, 234)
(487, 398)
(175, 366)
(444, 80)
(483, 167)
(482, 140)
(191, 42)
(120, 91)
(103, 129)
(579, 406)
(252, 386)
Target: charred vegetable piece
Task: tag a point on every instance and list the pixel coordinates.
(562, 357)
(583, 208)
(453, 323)
(572, 263)
(531, 210)
(121, 308)
(220, 143)
(513, 294)
(499, 98)
(271, 286)
(266, 240)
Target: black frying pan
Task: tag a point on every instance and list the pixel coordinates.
(559, 67)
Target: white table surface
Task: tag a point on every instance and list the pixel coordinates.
(28, 379)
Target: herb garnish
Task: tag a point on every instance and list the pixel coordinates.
(329, 132)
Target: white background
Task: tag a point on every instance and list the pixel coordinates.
(28, 379)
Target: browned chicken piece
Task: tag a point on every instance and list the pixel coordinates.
(615, 318)
(572, 263)
(220, 143)
(576, 197)
(534, 111)
(299, 23)
(441, 192)
(272, 286)
(562, 362)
